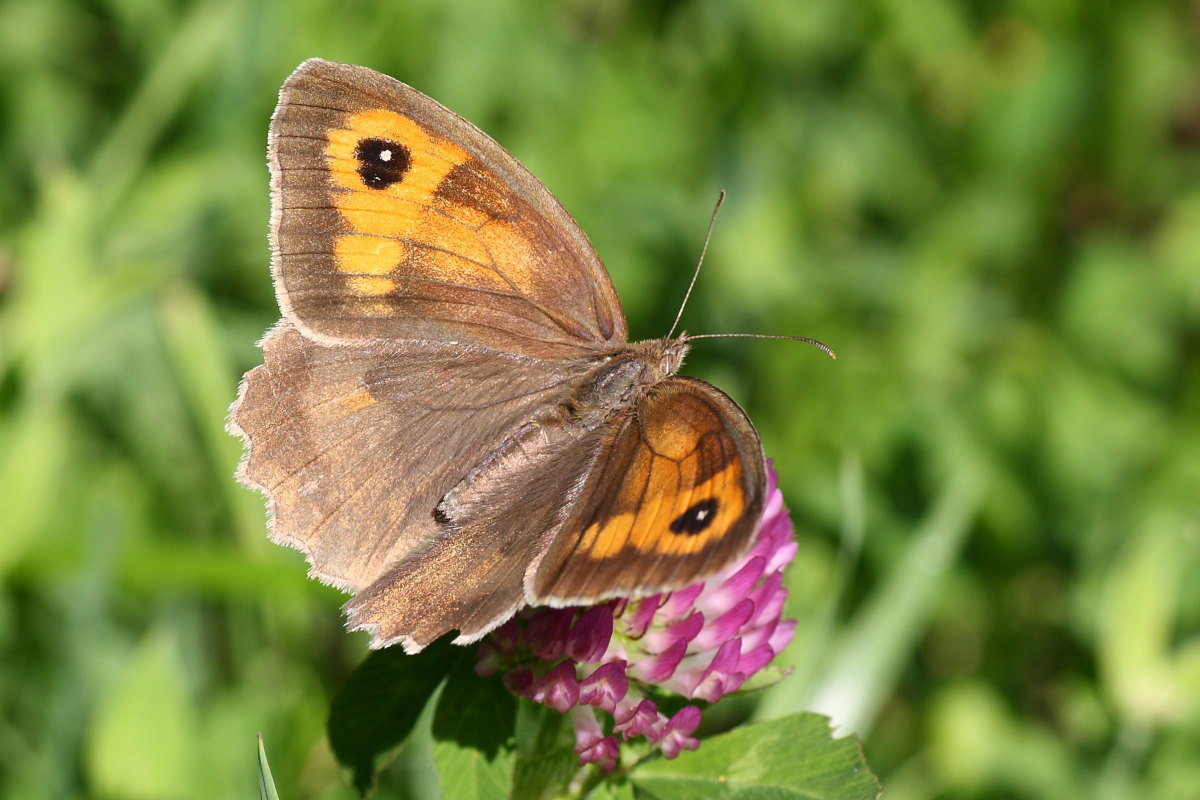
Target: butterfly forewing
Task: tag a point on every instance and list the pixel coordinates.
(395, 218)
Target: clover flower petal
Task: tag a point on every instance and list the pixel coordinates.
(676, 736)
(590, 742)
(702, 642)
(605, 687)
(558, 688)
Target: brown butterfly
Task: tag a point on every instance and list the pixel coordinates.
(449, 422)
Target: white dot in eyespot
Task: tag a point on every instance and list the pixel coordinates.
(385, 155)
(702, 515)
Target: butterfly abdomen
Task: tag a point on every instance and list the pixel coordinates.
(488, 484)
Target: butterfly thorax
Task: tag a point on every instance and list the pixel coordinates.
(620, 378)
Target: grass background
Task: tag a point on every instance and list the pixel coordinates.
(990, 210)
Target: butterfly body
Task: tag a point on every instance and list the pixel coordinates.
(449, 421)
(615, 385)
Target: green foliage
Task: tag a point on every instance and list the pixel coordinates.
(266, 783)
(379, 704)
(486, 745)
(141, 732)
(991, 211)
(544, 757)
(790, 757)
(472, 734)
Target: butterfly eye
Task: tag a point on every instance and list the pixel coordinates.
(381, 162)
(698, 517)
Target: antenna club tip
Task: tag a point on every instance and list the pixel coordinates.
(833, 355)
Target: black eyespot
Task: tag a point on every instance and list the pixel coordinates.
(382, 163)
(439, 515)
(696, 518)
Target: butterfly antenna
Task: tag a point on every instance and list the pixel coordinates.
(819, 345)
(711, 224)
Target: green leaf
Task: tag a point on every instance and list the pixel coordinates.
(473, 735)
(35, 444)
(266, 784)
(610, 790)
(379, 703)
(792, 757)
(141, 743)
(1136, 618)
(766, 677)
(546, 759)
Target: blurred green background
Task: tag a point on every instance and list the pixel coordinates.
(990, 210)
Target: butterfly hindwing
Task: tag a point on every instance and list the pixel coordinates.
(356, 446)
(675, 496)
(470, 578)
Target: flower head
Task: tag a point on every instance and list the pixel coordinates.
(701, 642)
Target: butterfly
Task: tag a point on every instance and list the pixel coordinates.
(449, 422)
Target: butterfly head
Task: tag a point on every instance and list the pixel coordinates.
(673, 353)
(661, 358)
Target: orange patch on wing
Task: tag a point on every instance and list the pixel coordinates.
(438, 230)
(515, 253)
(674, 430)
(369, 255)
(647, 527)
(380, 212)
(439, 265)
(432, 158)
(406, 229)
(357, 401)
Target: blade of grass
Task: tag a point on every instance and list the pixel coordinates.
(881, 638)
(266, 784)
